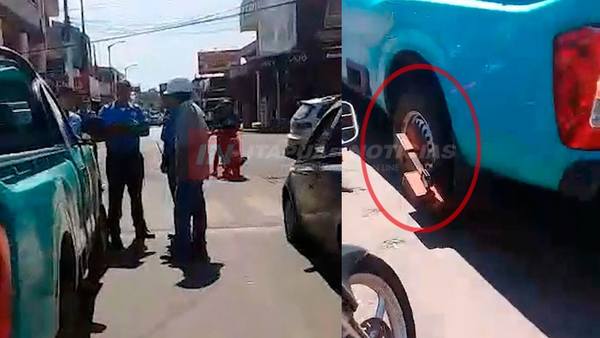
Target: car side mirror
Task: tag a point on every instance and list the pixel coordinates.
(349, 124)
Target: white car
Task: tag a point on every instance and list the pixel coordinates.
(306, 118)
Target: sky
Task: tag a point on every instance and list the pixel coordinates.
(164, 55)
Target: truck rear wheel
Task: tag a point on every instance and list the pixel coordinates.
(69, 300)
(420, 113)
(98, 257)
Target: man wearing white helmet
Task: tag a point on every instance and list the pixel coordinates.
(186, 151)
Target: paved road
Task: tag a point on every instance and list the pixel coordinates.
(524, 266)
(256, 285)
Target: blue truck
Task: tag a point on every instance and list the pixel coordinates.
(52, 223)
(531, 69)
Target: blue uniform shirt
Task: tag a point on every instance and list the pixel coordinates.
(75, 122)
(168, 134)
(131, 115)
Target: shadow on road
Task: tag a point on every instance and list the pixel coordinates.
(130, 258)
(327, 267)
(88, 293)
(196, 274)
(200, 275)
(538, 250)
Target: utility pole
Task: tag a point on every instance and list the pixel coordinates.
(95, 57)
(112, 73)
(66, 10)
(66, 38)
(130, 66)
(82, 17)
(66, 33)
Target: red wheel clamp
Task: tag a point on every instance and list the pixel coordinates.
(416, 180)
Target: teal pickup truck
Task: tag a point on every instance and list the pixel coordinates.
(530, 67)
(53, 237)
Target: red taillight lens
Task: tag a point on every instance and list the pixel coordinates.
(576, 81)
(5, 286)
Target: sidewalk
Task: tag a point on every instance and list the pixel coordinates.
(450, 299)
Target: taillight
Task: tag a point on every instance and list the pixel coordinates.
(577, 87)
(5, 286)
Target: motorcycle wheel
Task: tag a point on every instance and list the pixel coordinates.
(393, 317)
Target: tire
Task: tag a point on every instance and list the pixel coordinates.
(293, 232)
(373, 270)
(69, 304)
(98, 257)
(421, 113)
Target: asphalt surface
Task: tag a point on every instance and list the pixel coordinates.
(256, 285)
(518, 262)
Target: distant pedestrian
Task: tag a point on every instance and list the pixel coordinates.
(68, 102)
(123, 124)
(75, 122)
(191, 168)
(95, 106)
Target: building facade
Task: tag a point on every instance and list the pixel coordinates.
(68, 61)
(297, 56)
(24, 25)
(106, 78)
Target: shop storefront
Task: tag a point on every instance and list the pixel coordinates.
(268, 88)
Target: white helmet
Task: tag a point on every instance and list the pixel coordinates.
(178, 85)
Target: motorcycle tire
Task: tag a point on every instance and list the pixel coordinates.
(374, 273)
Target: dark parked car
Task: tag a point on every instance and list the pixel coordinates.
(311, 194)
(306, 118)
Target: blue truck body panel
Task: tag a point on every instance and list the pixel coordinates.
(502, 54)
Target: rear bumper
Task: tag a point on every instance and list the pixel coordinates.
(581, 180)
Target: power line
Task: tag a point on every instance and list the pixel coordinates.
(191, 23)
(180, 21)
(165, 27)
(161, 26)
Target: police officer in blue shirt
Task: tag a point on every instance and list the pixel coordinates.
(123, 125)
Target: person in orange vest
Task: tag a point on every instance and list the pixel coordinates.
(228, 143)
(221, 147)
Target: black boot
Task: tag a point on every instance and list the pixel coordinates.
(200, 252)
(142, 232)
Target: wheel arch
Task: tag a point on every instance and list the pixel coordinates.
(426, 79)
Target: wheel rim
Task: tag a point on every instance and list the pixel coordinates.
(418, 131)
(388, 307)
